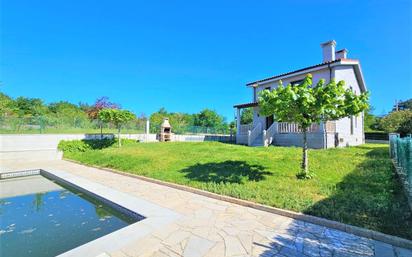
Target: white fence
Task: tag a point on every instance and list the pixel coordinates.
(243, 130)
(285, 127)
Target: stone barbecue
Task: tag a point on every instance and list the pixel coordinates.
(165, 131)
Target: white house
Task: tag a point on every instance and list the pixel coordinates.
(344, 132)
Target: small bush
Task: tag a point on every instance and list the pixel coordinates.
(74, 146)
(399, 121)
(90, 144)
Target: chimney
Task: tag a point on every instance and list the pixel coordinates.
(328, 50)
(341, 54)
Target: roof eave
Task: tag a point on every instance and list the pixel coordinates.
(353, 62)
(359, 75)
(294, 73)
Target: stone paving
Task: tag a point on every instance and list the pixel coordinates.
(214, 228)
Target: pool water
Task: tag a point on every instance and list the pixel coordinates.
(39, 217)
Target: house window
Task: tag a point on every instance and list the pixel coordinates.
(351, 125)
(267, 88)
(296, 82)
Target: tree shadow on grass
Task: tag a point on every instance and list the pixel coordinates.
(370, 196)
(226, 172)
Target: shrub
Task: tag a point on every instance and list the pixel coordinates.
(90, 144)
(74, 146)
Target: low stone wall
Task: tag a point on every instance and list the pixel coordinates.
(140, 137)
(203, 138)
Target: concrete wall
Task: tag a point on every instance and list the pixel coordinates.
(203, 138)
(140, 137)
(44, 146)
(37, 146)
(315, 140)
(241, 139)
(343, 126)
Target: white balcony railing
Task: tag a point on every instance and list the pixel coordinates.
(286, 127)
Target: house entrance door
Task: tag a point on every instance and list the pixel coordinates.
(269, 121)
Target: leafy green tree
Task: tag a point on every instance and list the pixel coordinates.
(66, 114)
(305, 104)
(208, 118)
(179, 121)
(246, 117)
(371, 122)
(29, 107)
(403, 105)
(399, 121)
(116, 117)
(7, 106)
(100, 104)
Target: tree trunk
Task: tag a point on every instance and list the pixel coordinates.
(305, 154)
(119, 144)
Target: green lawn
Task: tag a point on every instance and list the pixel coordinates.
(353, 185)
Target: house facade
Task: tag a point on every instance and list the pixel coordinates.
(264, 130)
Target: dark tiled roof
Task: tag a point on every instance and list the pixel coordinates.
(288, 73)
(253, 104)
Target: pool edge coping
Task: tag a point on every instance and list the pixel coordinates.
(351, 229)
(155, 216)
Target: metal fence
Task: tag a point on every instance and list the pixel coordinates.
(60, 125)
(72, 125)
(401, 154)
(195, 130)
(377, 136)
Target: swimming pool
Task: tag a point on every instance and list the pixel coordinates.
(41, 216)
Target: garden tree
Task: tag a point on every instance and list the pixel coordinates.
(371, 122)
(7, 107)
(179, 121)
(117, 117)
(29, 107)
(246, 117)
(305, 104)
(399, 121)
(100, 104)
(66, 114)
(403, 105)
(208, 118)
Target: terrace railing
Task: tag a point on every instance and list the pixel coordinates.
(243, 130)
(286, 127)
(254, 133)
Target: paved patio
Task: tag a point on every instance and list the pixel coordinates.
(214, 228)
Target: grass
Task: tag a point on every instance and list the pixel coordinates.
(354, 185)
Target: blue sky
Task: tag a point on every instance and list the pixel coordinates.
(189, 55)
